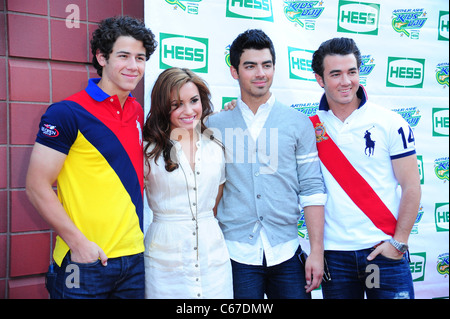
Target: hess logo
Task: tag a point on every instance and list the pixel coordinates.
(250, 9)
(300, 64)
(405, 72)
(358, 17)
(183, 51)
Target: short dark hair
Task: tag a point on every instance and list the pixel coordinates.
(110, 29)
(335, 46)
(250, 39)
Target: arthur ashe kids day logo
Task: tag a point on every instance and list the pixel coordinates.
(302, 231)
(442, 74)
(415, 228)
(250, 9)
(442, 265)
(303, 13)
(410, 115)
(189, 6)
(441, 168)
(367, 66)
(183, 51)
(408, 22)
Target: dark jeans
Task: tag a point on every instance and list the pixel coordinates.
(283, 281)
(123, 277)
(352, 275)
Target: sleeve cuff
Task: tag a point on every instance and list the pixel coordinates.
(313, 200)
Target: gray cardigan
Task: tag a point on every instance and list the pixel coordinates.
(267, 179)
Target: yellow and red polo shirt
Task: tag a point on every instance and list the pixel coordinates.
(101, 182)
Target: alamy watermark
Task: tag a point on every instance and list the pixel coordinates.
(73, 19)
(73, 279)
(239, 146)
(373, 278)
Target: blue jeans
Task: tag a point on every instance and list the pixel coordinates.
(283, 281)
(122, 278)
(352, 275)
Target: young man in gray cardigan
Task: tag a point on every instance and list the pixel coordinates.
(272, 167)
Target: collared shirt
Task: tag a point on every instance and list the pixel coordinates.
(101, 182)
(361, 94)
(254, 254)
(370, 138)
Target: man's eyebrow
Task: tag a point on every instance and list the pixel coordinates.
(338, 71)
(126, 52)
(251, 62)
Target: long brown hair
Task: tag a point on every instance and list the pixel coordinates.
(157, 125)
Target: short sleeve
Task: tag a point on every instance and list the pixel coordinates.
(402, 141)
(58, 128)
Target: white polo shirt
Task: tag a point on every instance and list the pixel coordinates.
(371, 137)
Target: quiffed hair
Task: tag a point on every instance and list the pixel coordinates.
(335, 46)
(250, 39)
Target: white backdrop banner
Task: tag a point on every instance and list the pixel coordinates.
(405, 68)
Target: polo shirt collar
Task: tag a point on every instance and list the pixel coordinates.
(95, 91)
(361, 94)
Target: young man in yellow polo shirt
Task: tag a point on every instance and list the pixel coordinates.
(91, 143)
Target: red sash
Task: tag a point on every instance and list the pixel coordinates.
(356, 187)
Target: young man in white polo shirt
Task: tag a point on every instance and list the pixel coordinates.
(366, 151)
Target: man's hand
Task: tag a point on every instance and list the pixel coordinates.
(229, 105)
(387, 250)
(89, 252)
(313, 271)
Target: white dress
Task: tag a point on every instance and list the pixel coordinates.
(181, 261)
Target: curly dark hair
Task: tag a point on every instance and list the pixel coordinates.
(110, 29)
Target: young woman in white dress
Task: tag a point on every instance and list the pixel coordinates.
(185, 252)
